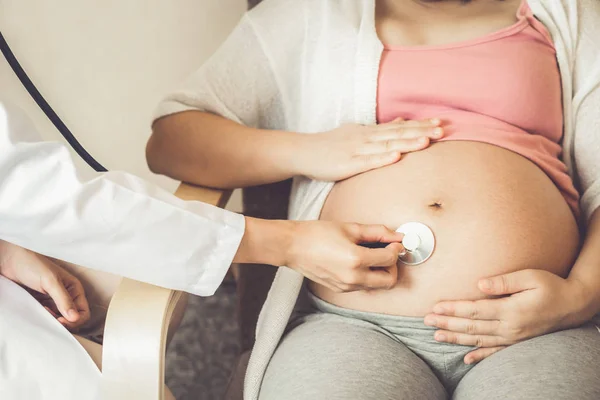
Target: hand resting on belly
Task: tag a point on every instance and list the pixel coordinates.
(492, 211)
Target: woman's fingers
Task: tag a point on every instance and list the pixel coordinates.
(478, 355)
(488, 309)
(463, 325)
(399, 145)
(411, 123)
(369, 162)
(402, 136)
(373, 161)
(405, 134)
(469, 340)
(407, 130)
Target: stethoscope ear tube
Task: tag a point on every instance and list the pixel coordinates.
(43, 104)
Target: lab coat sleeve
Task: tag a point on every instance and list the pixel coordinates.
(113, 222)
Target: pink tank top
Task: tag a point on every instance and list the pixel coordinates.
(503, 89)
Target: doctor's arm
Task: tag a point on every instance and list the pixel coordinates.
(114, 222)
(119, 223)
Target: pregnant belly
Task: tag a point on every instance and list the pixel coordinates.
(492, 211)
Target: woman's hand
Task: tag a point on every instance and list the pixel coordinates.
(58, 291)
(535, 302)
(328, 253)
(352, 149)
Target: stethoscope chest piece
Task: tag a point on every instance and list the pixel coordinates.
(418, 242)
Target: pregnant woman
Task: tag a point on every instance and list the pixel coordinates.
(479, 119)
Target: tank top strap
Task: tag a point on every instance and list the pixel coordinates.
(526, 12)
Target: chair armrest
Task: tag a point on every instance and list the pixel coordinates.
(215, 197)
(135, 338)
(135, 333)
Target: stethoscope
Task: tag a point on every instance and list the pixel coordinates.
(418, 241)
(45, 107)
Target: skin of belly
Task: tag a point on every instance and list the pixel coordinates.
(492, 211)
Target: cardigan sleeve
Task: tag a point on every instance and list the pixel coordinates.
(237, 82)
(586, 101)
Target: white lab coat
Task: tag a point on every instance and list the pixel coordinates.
(113, 222)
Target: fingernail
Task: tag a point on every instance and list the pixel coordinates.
(402, 253)
(439, 309)
(430, 321)
(486, 284)
(440, 337)
(438, 131)
(469, 361)
(422, 140)
(72, 314)
(435, 121)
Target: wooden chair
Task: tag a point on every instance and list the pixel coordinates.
(136, 330)
(268, 202)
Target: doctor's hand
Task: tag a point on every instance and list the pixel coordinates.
(57, 290)
(328, 253)
(353, 149)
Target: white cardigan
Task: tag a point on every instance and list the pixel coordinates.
(311, 65)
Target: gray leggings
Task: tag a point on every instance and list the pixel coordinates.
(332, 353)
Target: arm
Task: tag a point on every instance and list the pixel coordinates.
(114, 222)
(232, 155)
(228, 127)
(586, 273)
(123, 225)
(208, 132)
(325, 252)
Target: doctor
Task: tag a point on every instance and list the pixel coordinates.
(120, 224)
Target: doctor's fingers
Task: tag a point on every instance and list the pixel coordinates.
(82, 306)
(379, 267)
(59, 294)
(362, 233)
(67, 293)
(372, 278)
(360, 278)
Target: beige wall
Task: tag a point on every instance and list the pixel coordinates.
(103, 65)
